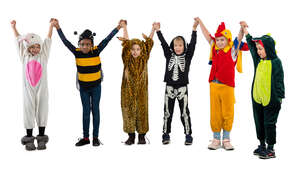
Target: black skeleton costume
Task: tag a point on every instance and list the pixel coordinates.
(176, 78)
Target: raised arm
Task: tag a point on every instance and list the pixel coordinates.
(204, 30)
(192, 44)
(152, 32)
(67, 43)
(250, 42)
(105, 41)
(13, 26)
(51, 28)
(164, 44)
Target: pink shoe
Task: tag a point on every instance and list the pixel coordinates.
(215, 144)
(227, 145)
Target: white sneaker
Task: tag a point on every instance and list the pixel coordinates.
(215, 144)
(227, 145)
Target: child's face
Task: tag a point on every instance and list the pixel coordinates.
(34, 49)
(135, 51)
(221, 42)
(178, 46)
(260, 51)
(85, 45)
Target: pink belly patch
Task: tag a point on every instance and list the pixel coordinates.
(33, 72)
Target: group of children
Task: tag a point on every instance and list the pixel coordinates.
(225, 56)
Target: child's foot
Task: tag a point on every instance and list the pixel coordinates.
(165, 138)
(42, 141)
(267, 154)
(82, 142)
(96, 142)
(215, 144)
(142, 139)
(227, 145)
(188, 140)
(131, 138)
(29, 143)
(259, 150)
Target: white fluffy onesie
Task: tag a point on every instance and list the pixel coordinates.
(35, 85)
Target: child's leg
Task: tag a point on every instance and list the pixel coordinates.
(168, 108)
(215, 109)
(29, 108)
(42, 112)
(182, 98)
(142, 125)
(270, 119)
(86, 106)
(258, 113)
(227, 101)
(96, 95)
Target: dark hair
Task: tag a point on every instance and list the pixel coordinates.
(87, 34)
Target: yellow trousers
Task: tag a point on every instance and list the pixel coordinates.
(221, 107)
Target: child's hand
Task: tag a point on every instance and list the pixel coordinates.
(197, 19)
(123, 23)
(244, 27)
(52, 20)
(56, 23)
(13, 23)
(156, 26)
(196, 22)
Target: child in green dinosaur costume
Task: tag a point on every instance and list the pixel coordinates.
(267, 90)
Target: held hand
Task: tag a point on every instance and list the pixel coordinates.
(196, 22)
(244, 27)
(13, 23)
(156, 26)
(56, 23)
(198, 19)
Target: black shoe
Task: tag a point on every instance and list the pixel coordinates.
(96, 141)
(165, 138)
(259, 149)
(82, 142)
(142, 139)
(267, 154)
(130, 139)
(188, 140)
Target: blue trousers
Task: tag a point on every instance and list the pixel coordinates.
(90, 99)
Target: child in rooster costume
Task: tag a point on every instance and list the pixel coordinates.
(225, 55)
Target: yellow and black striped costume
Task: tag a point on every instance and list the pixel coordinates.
(88, 65)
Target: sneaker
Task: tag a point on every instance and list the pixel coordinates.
(267, 154)
(259, 150)
(227, 145)
(96, 142)
(188, 140)
(215, 144)
(82, 142)
(165, 138)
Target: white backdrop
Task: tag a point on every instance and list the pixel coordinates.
(176, 17)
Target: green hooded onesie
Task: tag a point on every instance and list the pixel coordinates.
(267, 88)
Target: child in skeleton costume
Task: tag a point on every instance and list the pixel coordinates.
(267, 91)
(89, 73)
(178, 59)
(225, 55)
(134, 90)
(34, 54)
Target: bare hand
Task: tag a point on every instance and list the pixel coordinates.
(13, 23)
(156, 26)
(196, 22)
